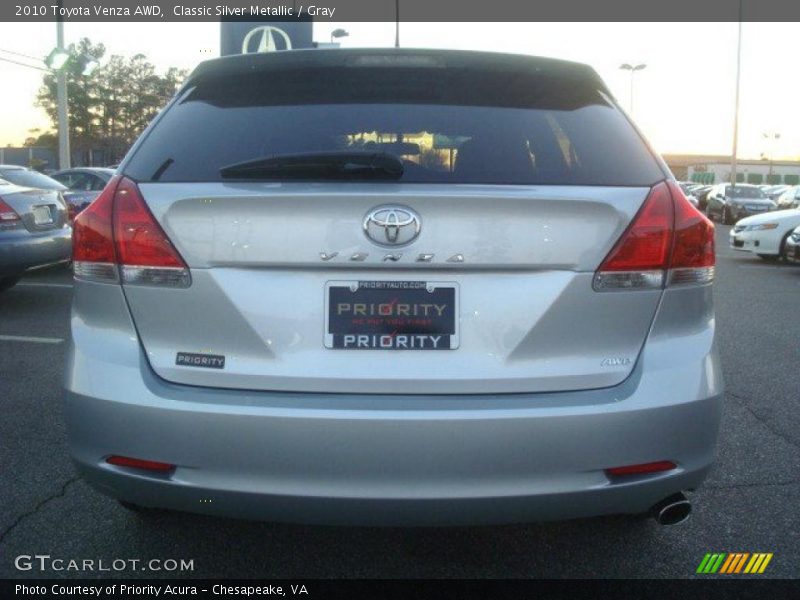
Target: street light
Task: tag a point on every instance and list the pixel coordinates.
(772, 137)
(632, 69)
(57, 58)
(339, 33)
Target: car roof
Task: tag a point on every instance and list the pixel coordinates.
(17, 167)
(248, 64)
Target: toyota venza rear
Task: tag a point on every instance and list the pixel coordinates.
(393, 287)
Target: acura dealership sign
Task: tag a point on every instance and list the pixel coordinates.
(247, 37)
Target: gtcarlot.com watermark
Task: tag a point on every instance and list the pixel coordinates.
(45, 563)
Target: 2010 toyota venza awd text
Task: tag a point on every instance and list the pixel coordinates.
(394, 287)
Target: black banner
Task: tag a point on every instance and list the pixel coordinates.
(403, 10)
(316, 589)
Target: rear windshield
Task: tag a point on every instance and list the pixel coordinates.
(446, 125)
(32, 179)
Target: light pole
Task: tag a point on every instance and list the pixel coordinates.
(736, 101)
(61, 99)
(632, 69)
(772, 137)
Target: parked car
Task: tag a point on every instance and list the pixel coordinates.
(34, 231)
(33, 179)
(790, 198)
(765, 234)
(792, 247)
(774, 191)
(298, 329)
(701, 193)
(729, 203)
(84, 183)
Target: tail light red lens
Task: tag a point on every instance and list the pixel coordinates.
(669, 242)
(694, 234)
(642, 469)
(117, 235)
(7, 214)
(139, 238)
(138, 463)
(646, 243)
(91, 231)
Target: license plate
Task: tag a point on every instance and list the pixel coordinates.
(42, 215)
(391, 315)
(737, 243)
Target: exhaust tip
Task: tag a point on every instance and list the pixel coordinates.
(672, 510)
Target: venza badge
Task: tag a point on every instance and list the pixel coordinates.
(392, 225)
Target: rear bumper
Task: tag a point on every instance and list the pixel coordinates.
(378, 468)
(22, 250)
(388, 460)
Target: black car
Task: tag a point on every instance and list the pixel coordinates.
(729, 203)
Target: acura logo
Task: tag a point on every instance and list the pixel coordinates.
(266, 39)
(392, 225)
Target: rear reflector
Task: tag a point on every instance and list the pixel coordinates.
(669, 242)
(117, 236)
(653, 467)
(138, 463)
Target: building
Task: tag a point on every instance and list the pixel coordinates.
(717, 169)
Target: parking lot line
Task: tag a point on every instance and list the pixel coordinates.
(56, 285)
(34, 340)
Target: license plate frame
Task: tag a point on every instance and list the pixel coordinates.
(424, 315)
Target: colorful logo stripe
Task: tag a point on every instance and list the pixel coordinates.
(734, 563)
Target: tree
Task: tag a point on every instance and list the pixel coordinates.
(111, 107)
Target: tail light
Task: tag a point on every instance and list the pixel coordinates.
(8, 216)
(669, 242)
(117, 238)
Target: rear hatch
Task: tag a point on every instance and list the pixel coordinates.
(468, 272)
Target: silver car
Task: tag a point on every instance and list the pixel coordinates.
(34, 231)
(394, 287)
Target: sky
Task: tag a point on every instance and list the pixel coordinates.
(683, 99)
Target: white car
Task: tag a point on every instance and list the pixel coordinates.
(765, 235)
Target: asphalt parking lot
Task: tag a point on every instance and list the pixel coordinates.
(749, 504)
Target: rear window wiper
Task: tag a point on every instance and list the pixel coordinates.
(318, 165)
